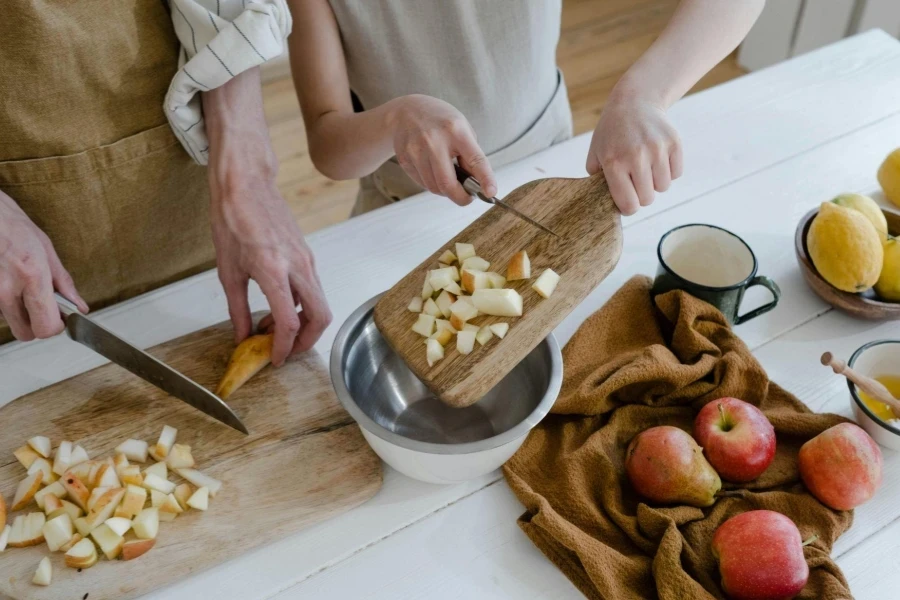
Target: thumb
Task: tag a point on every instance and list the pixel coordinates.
(593, 165)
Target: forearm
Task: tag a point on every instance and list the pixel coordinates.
(239, 143)
(700, 34)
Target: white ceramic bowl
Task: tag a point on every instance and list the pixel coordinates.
(417, 434)
(874, 359)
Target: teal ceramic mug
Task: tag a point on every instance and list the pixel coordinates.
(714, 265)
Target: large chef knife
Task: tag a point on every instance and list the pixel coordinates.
(85, 331)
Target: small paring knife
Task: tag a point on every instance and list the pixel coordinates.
(473, 187)
(85, 331)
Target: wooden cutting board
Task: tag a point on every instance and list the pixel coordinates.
(304, 461)
(582, 213)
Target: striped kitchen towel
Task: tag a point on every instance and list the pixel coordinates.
(219, 40)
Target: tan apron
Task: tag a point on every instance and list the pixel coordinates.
(86, 151)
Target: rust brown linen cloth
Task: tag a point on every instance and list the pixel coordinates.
(633, 365)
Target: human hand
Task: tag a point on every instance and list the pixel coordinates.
(30, 271)
(638, 150)
(428, 134)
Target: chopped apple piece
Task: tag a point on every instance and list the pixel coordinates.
(52, 503)
(434, 352)
(95, 472)
(135, 450)
(44, 572)
(248, 359)
(180, 457)
(475, 263)
(54, 489)
(167, 438)
(28, 487)
(41, 445)
(159, 469)
(82, 526)
(136, 548)
(131, 475)
(43, 465)
(448, 258)
(454, 274)
(462, 310)
(170, 508)
(427, 290)
(183, 493)
(464, 251)
(440, 278)
(500, 329)
(499, 303)
(454, 289)
(26, 456)
(67, 507)
(4, 537)
(82, 471)
(200, 499)
(82, 555)
(424, 326)
(415, 305)
(519, 267)
(431, 308)
(155, 482)
(496, 280)
(79, 455)
(484, 335)
(157, 498)
(96, 493)
(27, 530)
(58, 532)
(105, 507)
(133, 502)
(2, 512)
(471, 327)
(109, 541)
(475, 280)
(62, 458)
(77, 537)
(443, 336)
(146, 524)
(465, 341)
(200, 479)
(120, 462)
(119, 525)
(546, 283)
(457, 323)
(444, 300)
(443, 324)
(107, 477)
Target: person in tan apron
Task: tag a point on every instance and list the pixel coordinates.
(100, 202)
(431, 74)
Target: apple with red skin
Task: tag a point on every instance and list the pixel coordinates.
(760, 555)
(841, 466)
(737, 438)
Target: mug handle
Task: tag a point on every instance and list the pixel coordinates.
(776, 296)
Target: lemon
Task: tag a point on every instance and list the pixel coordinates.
(868, 207)
(845, 248)
(888, 284)
(889, 176)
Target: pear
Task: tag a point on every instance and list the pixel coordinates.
(667, 466)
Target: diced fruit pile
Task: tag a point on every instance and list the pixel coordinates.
(760, 552)
(92, 507)
(462, 289)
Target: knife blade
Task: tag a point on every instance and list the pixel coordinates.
(473, 187)
(102, 341)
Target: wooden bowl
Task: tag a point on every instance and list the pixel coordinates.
(865, 305)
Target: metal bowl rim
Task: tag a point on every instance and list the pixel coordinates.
(518, 431)
(853, 393)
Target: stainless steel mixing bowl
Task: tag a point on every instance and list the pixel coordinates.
(417, 434)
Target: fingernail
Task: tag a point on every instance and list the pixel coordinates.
(490, 190)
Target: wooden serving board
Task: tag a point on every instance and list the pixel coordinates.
(582, 213)
(304, 461)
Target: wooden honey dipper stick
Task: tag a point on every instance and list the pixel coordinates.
(870, 386)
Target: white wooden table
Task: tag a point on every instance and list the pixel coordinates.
(759, 153)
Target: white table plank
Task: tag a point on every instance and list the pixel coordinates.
(731, 133)
(764, 209)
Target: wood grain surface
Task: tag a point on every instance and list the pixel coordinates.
(865, 305)
(303, 462)
(582, 213)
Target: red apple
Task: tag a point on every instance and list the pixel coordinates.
(760, 555)
(736, 437)
(666, 465)
(841, 466)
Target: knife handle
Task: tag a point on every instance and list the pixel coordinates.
(470, 184)
(65, 307)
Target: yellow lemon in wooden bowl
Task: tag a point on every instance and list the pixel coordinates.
(889, 176)
(845, 248)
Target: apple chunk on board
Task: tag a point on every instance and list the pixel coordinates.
(582, 213)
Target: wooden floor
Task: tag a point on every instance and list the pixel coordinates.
(600, 39)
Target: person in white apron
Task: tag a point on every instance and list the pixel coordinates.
(393, 91)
